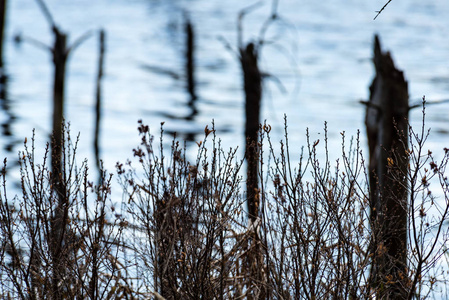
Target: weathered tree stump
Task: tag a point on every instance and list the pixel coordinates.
(387, 130)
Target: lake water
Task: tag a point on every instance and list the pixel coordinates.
(320, 52)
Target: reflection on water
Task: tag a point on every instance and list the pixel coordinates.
(329, 45)
(190, 83)
(10, 117)
(4, 102)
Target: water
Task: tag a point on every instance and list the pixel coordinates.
(321, 55)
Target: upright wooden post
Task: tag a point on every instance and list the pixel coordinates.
(387, 130)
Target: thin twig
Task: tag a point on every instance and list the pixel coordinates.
(46, 13)
(242, 14)
(80, 40)
(381, 10)
(35, 42)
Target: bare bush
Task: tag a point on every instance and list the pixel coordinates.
(316, 224)
(187, 220)
(46, 256)
(428, 216)
(183, 232)
(313, 236)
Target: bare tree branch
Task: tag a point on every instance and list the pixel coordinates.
(383, 7)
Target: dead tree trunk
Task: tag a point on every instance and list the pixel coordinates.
(98, 101)
(59, 225)
(59, 62)
(190, 71)
(59, 222)
(387, 130)
(190, 60)
(60, 53)
(253, 94)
